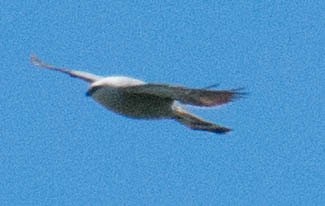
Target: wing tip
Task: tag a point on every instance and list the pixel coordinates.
(222, 130)
(220, 97)
(35, 60)
(239, 92)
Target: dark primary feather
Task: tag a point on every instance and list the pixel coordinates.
(196, 123)
(198, 97)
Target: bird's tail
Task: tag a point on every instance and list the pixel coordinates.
(186, 118)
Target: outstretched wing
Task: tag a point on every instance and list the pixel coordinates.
(88, 77)
(198, 97)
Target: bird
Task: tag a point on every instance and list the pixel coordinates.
(137, 99)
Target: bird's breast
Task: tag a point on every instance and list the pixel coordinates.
(133, 105)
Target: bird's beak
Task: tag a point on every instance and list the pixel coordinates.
(92, 90)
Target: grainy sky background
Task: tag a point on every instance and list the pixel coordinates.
(58, 147)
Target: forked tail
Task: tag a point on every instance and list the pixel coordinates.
(196, 123)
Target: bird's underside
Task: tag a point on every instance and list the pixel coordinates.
(137, 99)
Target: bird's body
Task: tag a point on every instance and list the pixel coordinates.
(143, 106)
(137, 99)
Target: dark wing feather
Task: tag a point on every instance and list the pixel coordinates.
(198, 97)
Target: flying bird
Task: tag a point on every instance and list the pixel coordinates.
(137, 99)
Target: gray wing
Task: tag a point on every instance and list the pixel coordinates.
(198, 97)
(88, 77)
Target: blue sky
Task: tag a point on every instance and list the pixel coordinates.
(59, 147)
